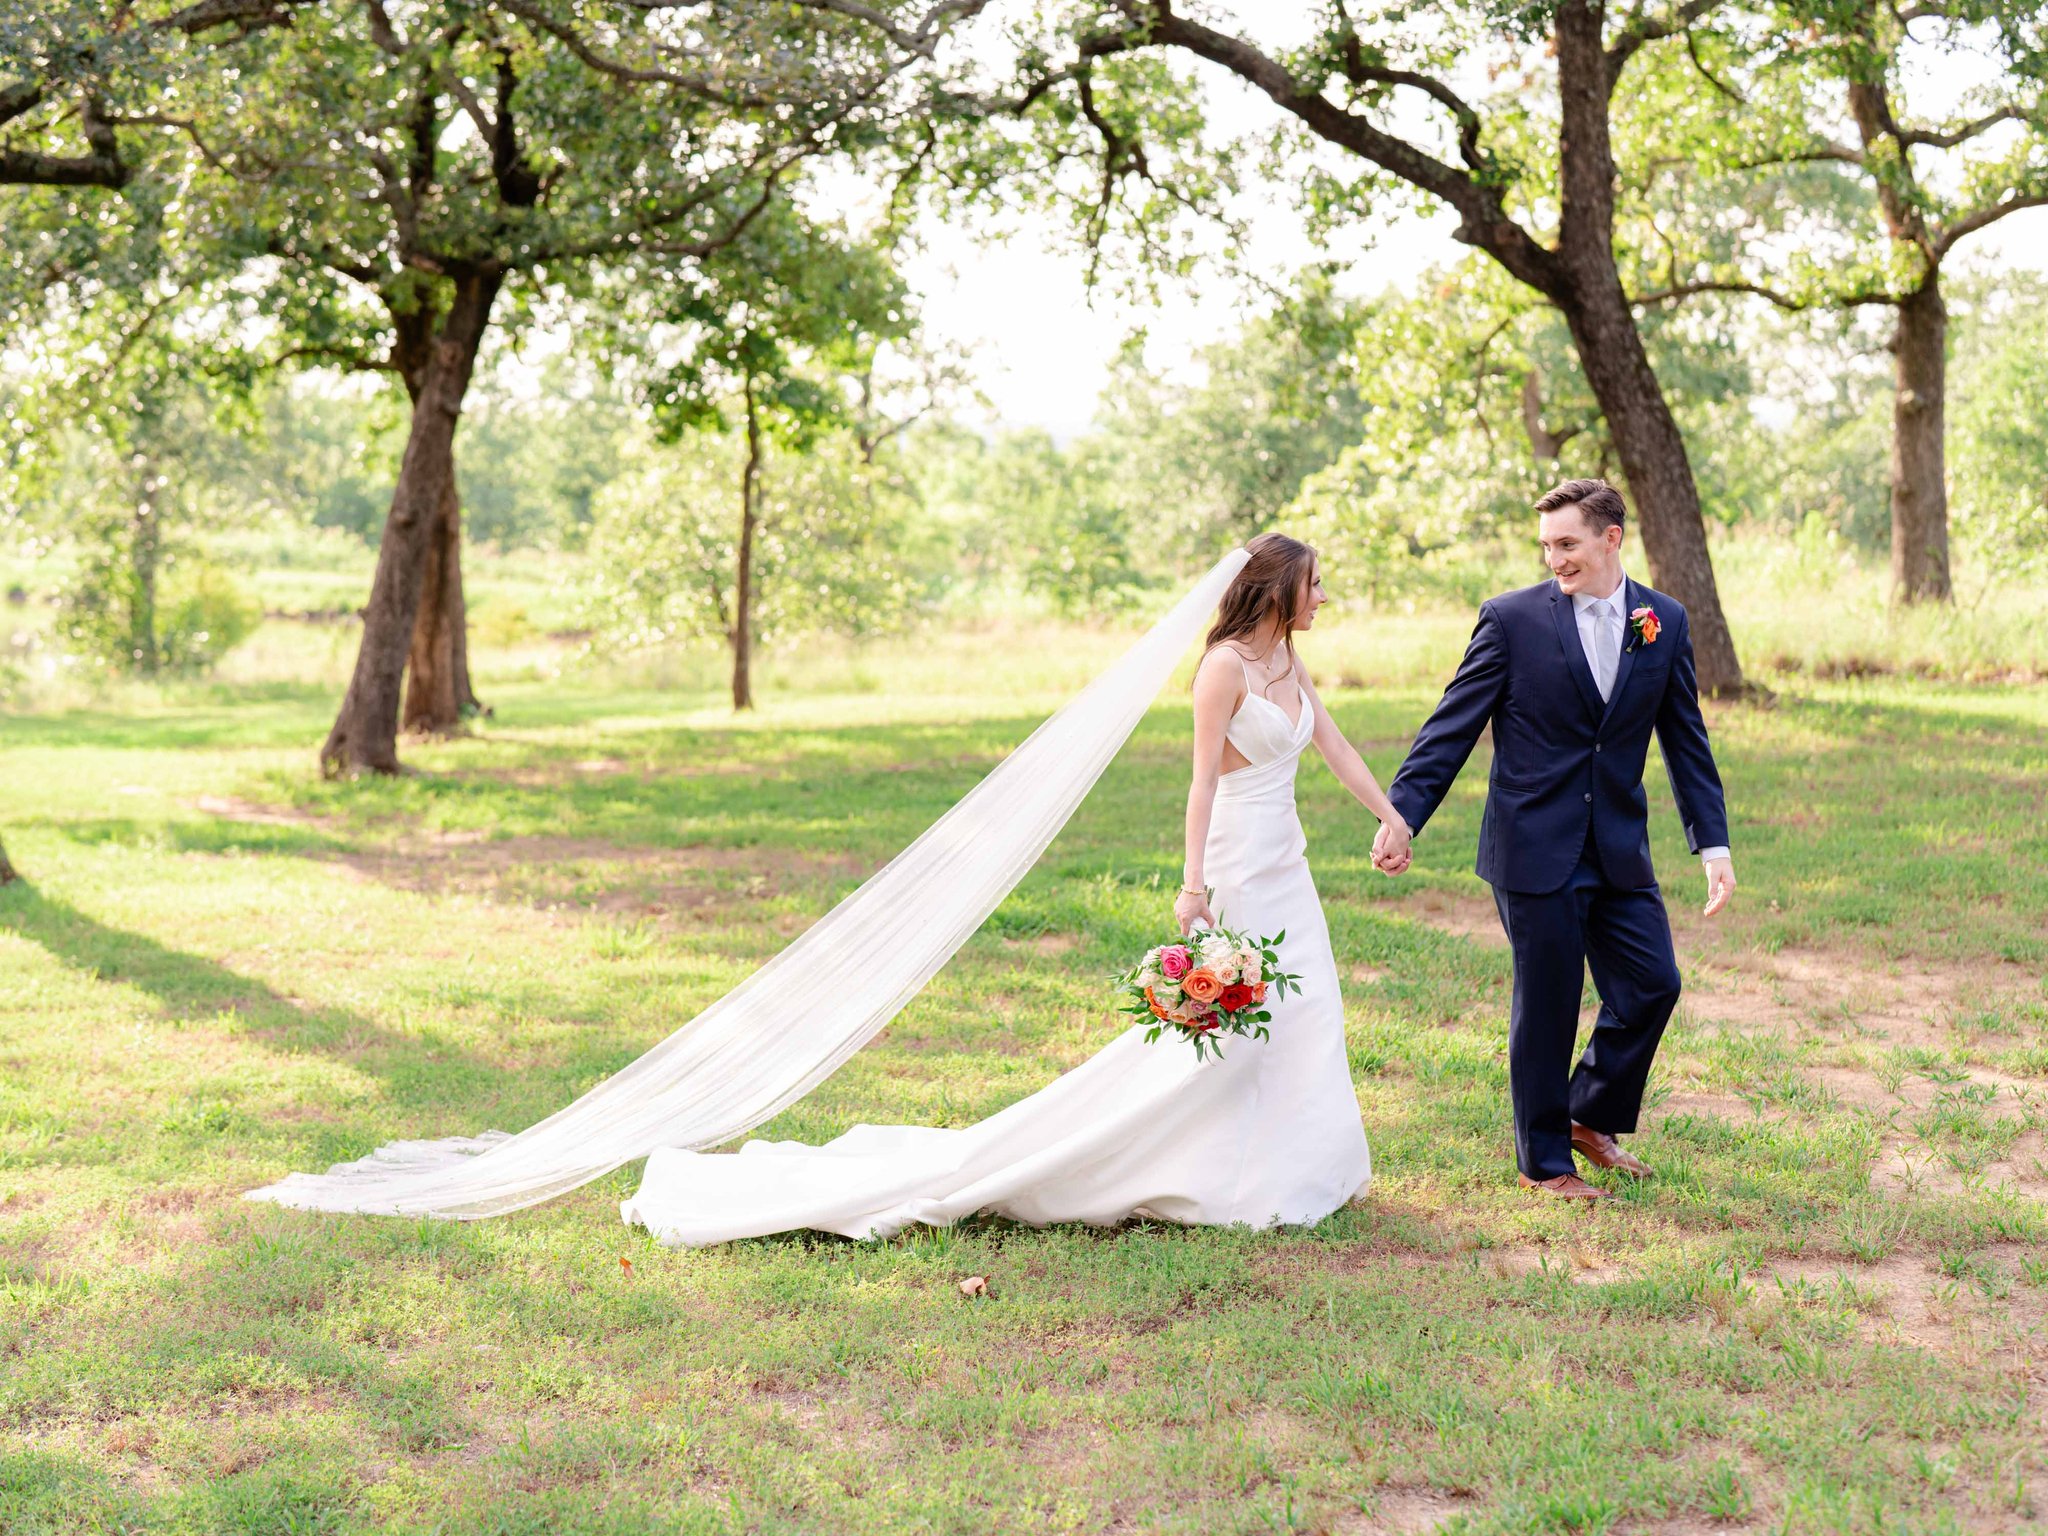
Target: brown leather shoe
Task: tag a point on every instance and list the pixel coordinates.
(1566, 1186)
(1603, 1151)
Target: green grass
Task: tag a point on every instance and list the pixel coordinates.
(223, 969)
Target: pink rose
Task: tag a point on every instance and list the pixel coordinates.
(1174, 961)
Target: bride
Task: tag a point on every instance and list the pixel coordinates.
(1269, 1134)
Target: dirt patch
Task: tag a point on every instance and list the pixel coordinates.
(1579, 1266)
(1916, 1167)
(594, 875)
(1921, 1004)
(1404, 1512)
(1462, 915)
(233, 808)
(1974, 1303)
(1045, 944)
(1715, 1106)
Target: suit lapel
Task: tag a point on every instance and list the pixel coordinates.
(1566, 618)
(1630, 601)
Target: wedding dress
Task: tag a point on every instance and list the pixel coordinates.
(750, 1054)
(1269, 1134)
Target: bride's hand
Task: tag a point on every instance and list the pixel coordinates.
(1189, 906)
(1390, 852)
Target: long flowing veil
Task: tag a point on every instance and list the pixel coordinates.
(790, 1025)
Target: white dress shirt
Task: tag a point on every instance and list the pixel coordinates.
(1616, 620)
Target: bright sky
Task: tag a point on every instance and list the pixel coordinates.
(1039, 345)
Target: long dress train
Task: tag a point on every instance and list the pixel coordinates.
(1268, 1135)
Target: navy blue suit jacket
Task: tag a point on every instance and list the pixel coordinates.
(1561, 758)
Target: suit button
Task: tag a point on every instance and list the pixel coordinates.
(1596, 746)
(1589, 799)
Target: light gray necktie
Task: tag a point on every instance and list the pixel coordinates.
(1606, 647)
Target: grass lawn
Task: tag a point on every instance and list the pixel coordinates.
(1828, 1313)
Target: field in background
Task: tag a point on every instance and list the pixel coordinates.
(1828, 1313)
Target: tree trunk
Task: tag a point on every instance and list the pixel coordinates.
(1579, 276)
(743, 598)
(1919, 471)
(8, 873)
(365, 734)
(145, 551)
(1546, 445)
(1659, 476)
(1610, 347)
(438, 695)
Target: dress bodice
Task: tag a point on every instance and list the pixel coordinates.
(1264, 734)
(1271, 744)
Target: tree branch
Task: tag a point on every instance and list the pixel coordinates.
(247, 15)
(1971, 223)
(1359, 72)
(1961, 134)
(1484, 222)
(702, 86)
(351, 359)
(1643, 30)
(101, 166)
(1784, 301)
(22, 96)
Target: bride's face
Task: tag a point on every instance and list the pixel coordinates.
(1312, 597)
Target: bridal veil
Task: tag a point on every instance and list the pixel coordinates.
(790, 1025)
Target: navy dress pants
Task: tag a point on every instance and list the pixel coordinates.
(1625, 936)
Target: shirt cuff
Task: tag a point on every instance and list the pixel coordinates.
(1708, 855)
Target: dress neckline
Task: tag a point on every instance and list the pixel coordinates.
(1294, 720)
(1300, 698)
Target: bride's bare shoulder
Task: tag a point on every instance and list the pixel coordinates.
(1217, 675)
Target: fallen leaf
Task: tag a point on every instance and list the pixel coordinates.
(626, 1265)
(974, 1285)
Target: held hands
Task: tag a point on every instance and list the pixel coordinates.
(1720, 884)
(1190, 907)
(1390, 849)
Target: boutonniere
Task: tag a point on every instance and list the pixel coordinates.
(1643, 626)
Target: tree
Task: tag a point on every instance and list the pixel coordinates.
(2001, 426)
(1275, 403)
(1510, 173)
(783, 337)
(126, 416)
(383, 176)
(8, 873)
(1999, 156)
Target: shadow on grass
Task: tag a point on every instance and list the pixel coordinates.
(419, 1070)
(245, 715)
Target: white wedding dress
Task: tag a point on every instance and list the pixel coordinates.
(1268, 1135)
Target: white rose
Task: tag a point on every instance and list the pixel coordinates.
(1217, 950)
(1249, 967)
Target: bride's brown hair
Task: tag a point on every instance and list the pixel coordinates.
(1271, 585)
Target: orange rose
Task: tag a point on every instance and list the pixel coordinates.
(1258, 992)
(1201, 985)
(1158, 1008)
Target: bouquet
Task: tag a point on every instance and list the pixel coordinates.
(1210, 984)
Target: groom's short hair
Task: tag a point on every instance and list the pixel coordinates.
(1601, 502)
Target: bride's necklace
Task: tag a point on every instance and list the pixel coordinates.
(1264, 661)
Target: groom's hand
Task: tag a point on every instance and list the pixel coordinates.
(1720, 884)
(1390, 849)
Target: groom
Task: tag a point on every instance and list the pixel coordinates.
(1574, 675)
